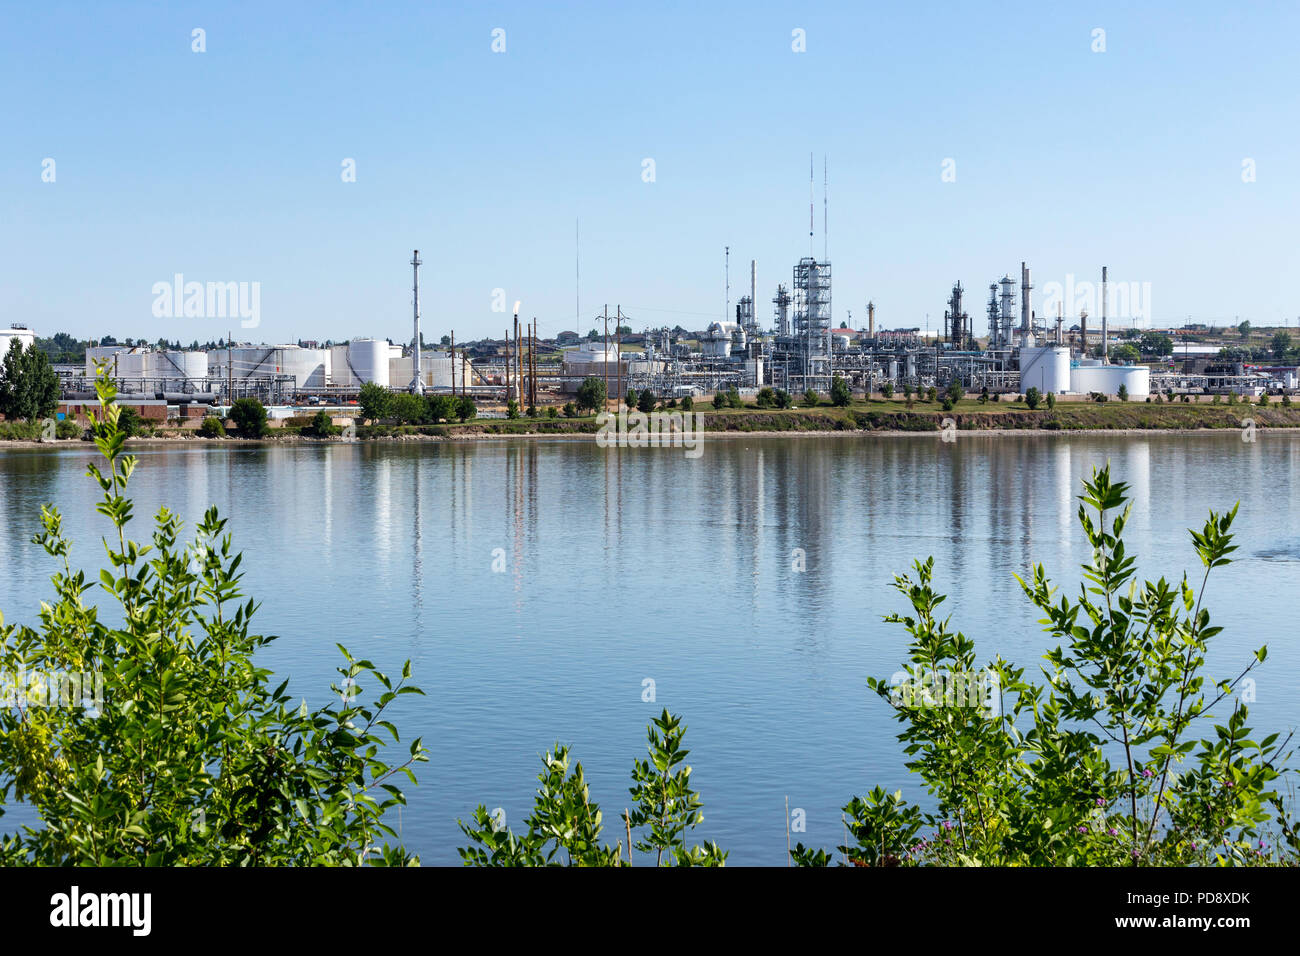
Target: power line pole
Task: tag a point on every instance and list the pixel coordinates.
(606, 357)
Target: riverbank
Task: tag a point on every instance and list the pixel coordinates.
(877, 418)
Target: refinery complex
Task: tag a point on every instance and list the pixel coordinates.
(799, 348)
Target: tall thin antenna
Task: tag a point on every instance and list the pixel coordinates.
(726, 303)
(825, 210)
(810, 205)
(417, 381)
(577, 279)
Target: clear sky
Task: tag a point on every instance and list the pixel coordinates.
(226, 165)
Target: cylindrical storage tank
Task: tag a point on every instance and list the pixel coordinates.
(1107, 379)
(368, 359)
(1046, 369)
(307, 366)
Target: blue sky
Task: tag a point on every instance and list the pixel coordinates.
(225, 165)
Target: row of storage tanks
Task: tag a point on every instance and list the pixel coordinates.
(1051, 369)
(349, 365)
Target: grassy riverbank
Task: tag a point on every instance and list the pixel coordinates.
(881, 416)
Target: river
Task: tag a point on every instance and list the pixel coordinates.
(538, 585)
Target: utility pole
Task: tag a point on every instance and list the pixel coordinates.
(230, 367)
(453, 361)
(618, 358)
(606, 408)
(507, 364)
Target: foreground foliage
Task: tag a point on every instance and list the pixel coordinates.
(1103, 763)
(564, 826)
(184, 754)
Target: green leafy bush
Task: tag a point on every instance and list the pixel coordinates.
(249, 417)
(212, 427)
(1103, 763)
(176, 750)
(564, 827)
(840, 393)
(1033, 397)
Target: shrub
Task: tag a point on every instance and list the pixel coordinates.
(67, 428)
(1263, 399)
(1051, 400)
(931, 394)
(552, 411)
(955, 392)
(811, 398)
(512, 409)
(631, 398)
(946, 405)
(645, 400)
(465, 409)
(1123, 392)
(688, 403)
(1102, 764)
(766, 398)
(211, 427)
(733, 398)
(249, 416)
(178, 750)
(565, 826)
(1032, 397)
(570, 410)
(719, 400)
(322, 425)
(840, 393)
(887, 390)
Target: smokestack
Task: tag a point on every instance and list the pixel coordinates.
(753, 292)
(1024, 304)
(1104, 349)
(871, 320)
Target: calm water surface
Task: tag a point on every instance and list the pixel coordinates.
(627, 565)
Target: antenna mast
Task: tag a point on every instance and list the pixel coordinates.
(417, 380)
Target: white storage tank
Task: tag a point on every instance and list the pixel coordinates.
(1046, 369)
(367, 361)
(1107, 379)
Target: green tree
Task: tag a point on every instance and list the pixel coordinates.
(176, 749)
(249, 416)
(955, 392)
(645, 400)
(1032, 397)
(688, 403)
(375, 401)
(733, 398)
(1244, 329)
(766, 398)
(1281, 345)
(784, 399)
(211, 427)
(887, 391)
(465, 408)
(811, 398)
(408, 409)
(630, 400)
(840, 393)
(512, 409)
(1156, 343)
(29, 387)
(719, 400)
(1123, 392)
(591, 393)
(1051, 400)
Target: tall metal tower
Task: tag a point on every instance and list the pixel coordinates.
(417, 381)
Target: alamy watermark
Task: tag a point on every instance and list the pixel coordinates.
(1127, 301)
(53, 689)
(208, 300)
(652, 430)
(943, 688)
